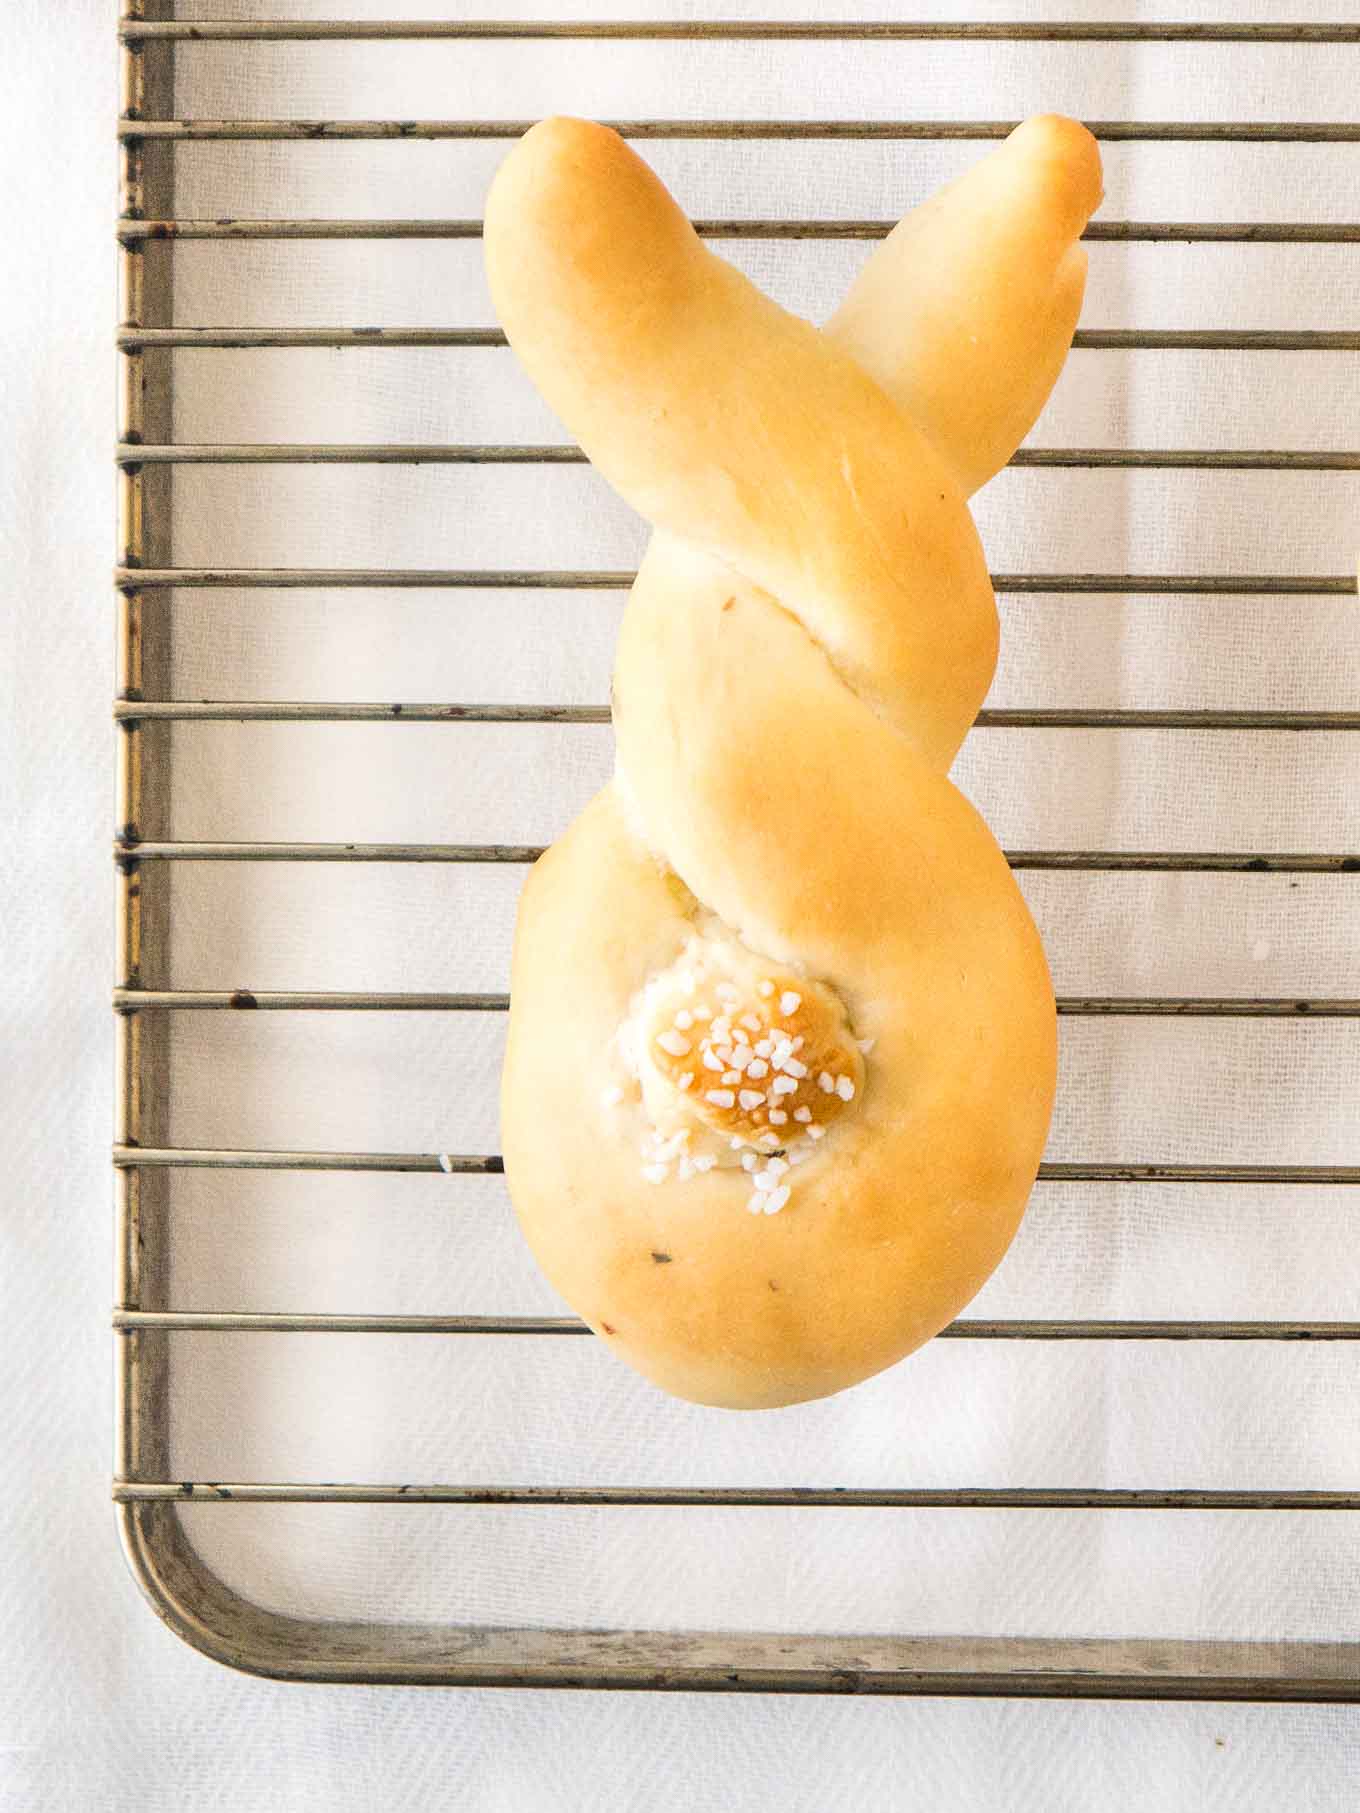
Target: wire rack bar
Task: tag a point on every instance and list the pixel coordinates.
(1067, 718)
(294, 711)
(1234, 585)
(1100, 339)
(202, 1158)
(289, 711)
(267, 1322)
(734, 30)
(247, 1000)
(1256, 132)
(1058, 1172)
(1208, 1007)
(881, 1498)
(316, 453)
(1151, 232)
(1187, 862)
(266, 1000)
(194, 1321)
(128, 850)
(1174, 862)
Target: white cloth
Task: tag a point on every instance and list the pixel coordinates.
(99, 1707)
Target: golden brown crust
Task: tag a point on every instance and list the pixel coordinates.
(966, 311)
(809, 637)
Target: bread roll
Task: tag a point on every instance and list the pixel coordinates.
(782, 1042)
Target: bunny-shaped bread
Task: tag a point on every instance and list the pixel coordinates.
(782, 1041)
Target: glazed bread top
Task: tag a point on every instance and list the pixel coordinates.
(780, 965)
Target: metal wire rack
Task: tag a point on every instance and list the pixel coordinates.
(184, 1591)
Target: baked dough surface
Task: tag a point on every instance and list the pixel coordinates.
(782, 1042)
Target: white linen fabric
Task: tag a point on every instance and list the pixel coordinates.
(99, 1706)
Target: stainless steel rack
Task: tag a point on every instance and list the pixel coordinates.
(183, 1589)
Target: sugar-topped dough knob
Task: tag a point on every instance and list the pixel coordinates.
(782, 1042)
(735, 1063)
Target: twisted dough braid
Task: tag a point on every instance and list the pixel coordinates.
(782, 1044)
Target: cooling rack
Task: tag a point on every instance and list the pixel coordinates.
(183, 1588)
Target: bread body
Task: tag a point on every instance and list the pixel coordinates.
(808, 640)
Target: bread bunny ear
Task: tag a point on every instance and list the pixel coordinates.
(966, 312)
(740, 429)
